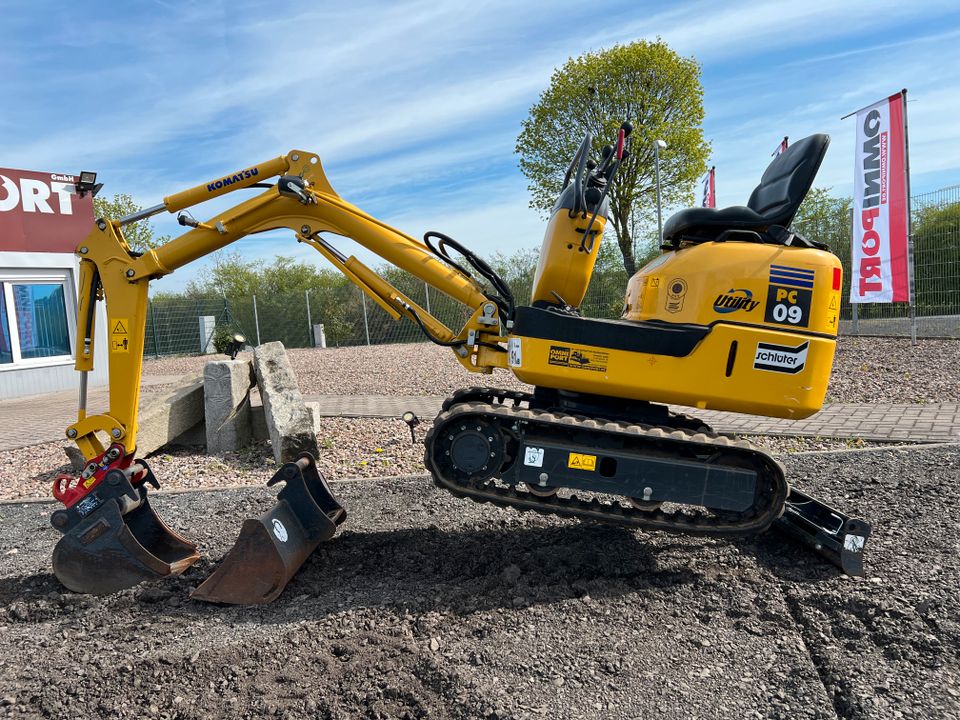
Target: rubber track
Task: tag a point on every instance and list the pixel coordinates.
(491, 405)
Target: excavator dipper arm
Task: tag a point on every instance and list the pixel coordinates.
(110, 493)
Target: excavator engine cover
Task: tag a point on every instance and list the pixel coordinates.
(271, 549)
(112, 539)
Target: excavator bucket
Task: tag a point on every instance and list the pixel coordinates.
(271, 549)
(112, 539)
(836, 536)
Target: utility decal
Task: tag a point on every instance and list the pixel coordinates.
(780, 358)
(676, 291)
(279, 530)
(233, 179)
(735, 299)
(119, 335)
(579, 461)
(514, 352)
(578, 359)
(533, 457)
(789, 296)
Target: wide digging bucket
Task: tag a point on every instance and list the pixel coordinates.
(271, 549)
(113, 540)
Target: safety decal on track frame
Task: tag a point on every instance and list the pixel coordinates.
(533, 457)
(581, 461)
(578, 359)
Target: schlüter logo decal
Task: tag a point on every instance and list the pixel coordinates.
(578, 359)
(780, 358)
(735, 299)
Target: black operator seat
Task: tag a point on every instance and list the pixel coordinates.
(771, 206)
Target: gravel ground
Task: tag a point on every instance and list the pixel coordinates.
(429, 606)
(881, 370)
(349, 448)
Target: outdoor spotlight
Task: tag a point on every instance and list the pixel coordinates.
(236, 345)
(412, 420)
(88, 184)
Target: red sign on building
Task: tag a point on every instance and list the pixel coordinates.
(40, 212)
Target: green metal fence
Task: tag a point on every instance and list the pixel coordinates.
(350, 318)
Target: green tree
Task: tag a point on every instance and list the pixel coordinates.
(139, 235)
(825, 218)
(644, 82)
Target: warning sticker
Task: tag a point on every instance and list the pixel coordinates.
(579, 461)
(533, 457)
(119, 335)
(514, 352)
(578, 359)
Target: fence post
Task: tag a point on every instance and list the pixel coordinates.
(426, 294)
(856, 318)
(256, 319)
(153, 324)
(366, 325)
(310, 341)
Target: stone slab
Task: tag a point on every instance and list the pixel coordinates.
(226, 393)
(289, 421)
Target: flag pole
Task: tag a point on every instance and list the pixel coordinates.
(911, 265)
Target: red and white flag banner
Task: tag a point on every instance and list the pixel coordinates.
(782, 147)
(881, 216)
(710, 189)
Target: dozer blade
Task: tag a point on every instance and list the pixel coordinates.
(836, 536)
(271, 549)
(112, 539)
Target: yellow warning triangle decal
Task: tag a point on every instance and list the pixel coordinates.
(833, 304)
(119, 328)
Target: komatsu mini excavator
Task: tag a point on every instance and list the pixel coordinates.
(737, 313)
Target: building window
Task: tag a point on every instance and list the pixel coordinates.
(34, 325)
(6, 349)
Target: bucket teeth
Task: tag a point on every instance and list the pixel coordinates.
(112, 539)
(271, 548)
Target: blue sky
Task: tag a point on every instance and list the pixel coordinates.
(414, 107)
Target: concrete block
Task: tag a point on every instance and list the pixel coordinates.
(289, 422)
(226, 397)
(165, 416)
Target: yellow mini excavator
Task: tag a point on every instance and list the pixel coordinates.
(738, 313)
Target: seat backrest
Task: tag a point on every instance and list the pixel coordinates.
(787, 179)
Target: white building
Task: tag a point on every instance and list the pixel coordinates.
(42, 221)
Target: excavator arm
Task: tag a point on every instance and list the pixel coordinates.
(302, 201)
(111, 537)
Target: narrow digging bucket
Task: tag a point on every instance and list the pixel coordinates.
(271, 549)
(833, 534)
(112, 539)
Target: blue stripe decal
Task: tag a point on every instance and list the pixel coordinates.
(787, 267)
(806, 274)
(791, 281)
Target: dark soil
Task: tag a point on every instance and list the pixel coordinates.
(429, 606)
